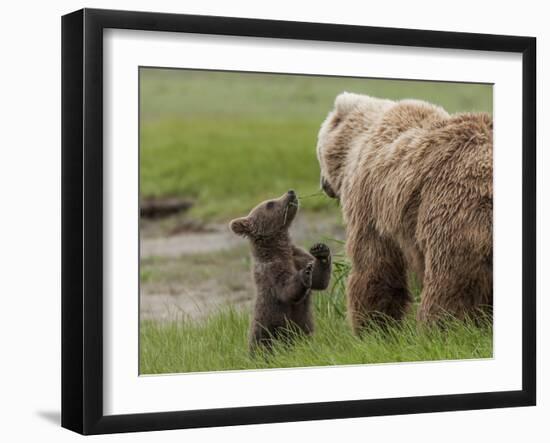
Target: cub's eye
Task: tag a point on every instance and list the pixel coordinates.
(270, 205)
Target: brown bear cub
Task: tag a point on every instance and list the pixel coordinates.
(284, 274)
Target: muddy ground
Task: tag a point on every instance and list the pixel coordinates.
(189, 269)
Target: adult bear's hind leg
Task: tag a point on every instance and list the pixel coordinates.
(377, 285)
(456, 285)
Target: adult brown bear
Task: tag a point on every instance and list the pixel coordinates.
(416, 191)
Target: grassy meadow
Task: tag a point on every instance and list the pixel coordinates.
(220, 341)
(226, 141)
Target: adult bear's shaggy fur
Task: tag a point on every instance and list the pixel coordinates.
(415, 186)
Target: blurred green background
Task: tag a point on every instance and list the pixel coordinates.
(229, 140)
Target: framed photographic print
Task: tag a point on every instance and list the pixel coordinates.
(269, 221)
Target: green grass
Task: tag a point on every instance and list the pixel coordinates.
(219, 342)
(230, 140)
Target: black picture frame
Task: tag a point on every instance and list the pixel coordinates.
(82, 220)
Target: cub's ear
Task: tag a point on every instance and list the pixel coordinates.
(240, 226)
(346, 101)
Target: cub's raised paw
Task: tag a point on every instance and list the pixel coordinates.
(307, 275)
(320, 251)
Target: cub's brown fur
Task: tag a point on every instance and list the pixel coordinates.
(415, 186)
(284, 274)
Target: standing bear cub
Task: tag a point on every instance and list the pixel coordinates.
(284, 274)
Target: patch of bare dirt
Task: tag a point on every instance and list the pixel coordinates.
(189, 243)
(195, 303)
(194, 273)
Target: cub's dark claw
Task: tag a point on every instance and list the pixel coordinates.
(307, 275)
(320, 250)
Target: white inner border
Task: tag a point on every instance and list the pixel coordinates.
(125, 392)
